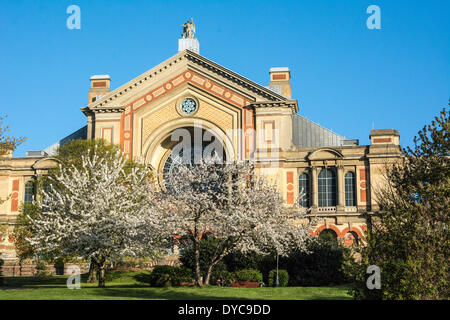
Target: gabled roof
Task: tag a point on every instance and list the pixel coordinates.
(107, 100)
(79, 134)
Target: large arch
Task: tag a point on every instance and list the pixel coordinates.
(154, 150)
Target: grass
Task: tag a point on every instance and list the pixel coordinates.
(128, 285)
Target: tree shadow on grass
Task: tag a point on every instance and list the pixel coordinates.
(33, 282)
(151, 293)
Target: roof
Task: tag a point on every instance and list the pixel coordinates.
(79, 134)
(306, 133)
(194, 59)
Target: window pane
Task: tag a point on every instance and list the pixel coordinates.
(350, 199)
(327, 188)
(29, 192)
(303, 185)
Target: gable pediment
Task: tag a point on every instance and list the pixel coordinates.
(324, 154)
(46, 163)
(168, 75)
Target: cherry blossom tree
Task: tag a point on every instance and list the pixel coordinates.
(98, 211)
(241, 210)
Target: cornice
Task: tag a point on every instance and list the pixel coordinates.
(234, 77)
(90, 111)
(273, 104)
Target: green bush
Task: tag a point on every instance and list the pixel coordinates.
(283, 278)
(1, 264)
(237, 261)
(182, 274)
(322, 266)
(226, 277)
(248, 275)
(167, 276)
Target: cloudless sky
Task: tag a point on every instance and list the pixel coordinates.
(346, 77)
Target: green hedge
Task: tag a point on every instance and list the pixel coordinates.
(248, 275)
(226, 277)
(167, 276)
(321, 266)
(283, 278)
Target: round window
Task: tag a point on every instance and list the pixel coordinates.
(188, 106)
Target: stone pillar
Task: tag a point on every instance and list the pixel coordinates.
(340, 188)
(314, 189)
(90, 128)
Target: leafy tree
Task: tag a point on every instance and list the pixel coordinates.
(68, 155)
(98, 211)
(207, 247)
(409, 240)
(8, 143)
(320, 266)
(241, 211)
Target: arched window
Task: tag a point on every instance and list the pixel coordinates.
(303, 189)
(328, 236)
(351, 239)
(350, 199)
(327, 188)
(29, 192)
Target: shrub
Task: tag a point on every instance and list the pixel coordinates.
(283, 278)
(226, 277)
(238, 261)
(182, 274)
(166, 276)
(264, 263)
(1, 267)
(41, 269)
(322, 266)
(248, 275)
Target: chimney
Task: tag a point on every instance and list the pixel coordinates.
(99, 87)
(384, 136)
(280, 81)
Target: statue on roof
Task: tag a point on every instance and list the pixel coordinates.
(188, 29)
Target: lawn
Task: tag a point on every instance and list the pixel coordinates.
(129, 286)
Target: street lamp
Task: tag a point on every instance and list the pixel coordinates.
(277, 283)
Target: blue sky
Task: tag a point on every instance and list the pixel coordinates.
(346, 77)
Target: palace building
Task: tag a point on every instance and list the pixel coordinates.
(337, 176)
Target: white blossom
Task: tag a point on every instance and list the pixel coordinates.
(239, 208)
(98, 211)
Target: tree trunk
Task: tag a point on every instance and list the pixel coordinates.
(93, 270)
(208, 274)
(198, 275)
(101, 274)
(215, 261)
